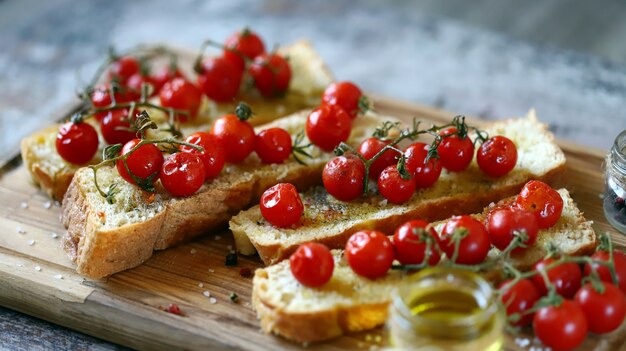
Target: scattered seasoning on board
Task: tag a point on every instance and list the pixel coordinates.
(206, 293)
(193, 251)
(54, 235)
(20, 230)
(47, 205)
(31, 242)
(38, 269)
(234, 297)
(173, 308)
(231, 260)
(245, 272)
(24, 205)
(212, 301)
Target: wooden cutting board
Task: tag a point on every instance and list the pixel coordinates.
(37, 278)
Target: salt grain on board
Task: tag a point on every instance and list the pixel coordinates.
(37, 268)
(31, 242)
(47, 205)
(24, 205)
(213, 301)
(58, 276)
(206, 293)
(20, 230)
(54, 235)
(200, 285)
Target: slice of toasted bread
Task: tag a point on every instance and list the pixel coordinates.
(350, 303)
(310, 76)
(331, 222)
(105, 238)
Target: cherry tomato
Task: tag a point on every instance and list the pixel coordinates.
(271, 74)
(101, 98)
(424, 174)
(179, 94)
(455, 153)
(410, 244)
(565, 277)
(116, 128)
(619, 262)
(328, 126)
(182, 173)
(393, 187)
(145, 162)
(164, 75)
(246, 43)
(497, 156)
(312, 264)
(136, 81)
(219, 79)
(502, 224)
(273, 145)
(235, 136)
(281, 205)
(604, 311)
(369, 253)
(370, 147)
(213, 155)
(345, 95)
(474, 243)
(520, 298)
(343, 177)
(122, 68)
(77, 142)
(562, 327)
(544, 202)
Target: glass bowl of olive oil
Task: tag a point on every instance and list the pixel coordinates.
(446, 309)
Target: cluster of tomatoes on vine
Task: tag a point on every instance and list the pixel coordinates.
(563, 306)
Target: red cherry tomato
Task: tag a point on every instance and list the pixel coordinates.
(122, 68)
(164, 75)
(497, 156)
(136, 81)
(619, 262)
(544, 202)
(604, 311)
(345, 95)
(312, 264)
(245, 43)
(455, 153)
(179, 94)
(281, 205)
(213, 155)
(566, 278)
(424, 174)
(219, 79)
(474, 244)
(77, 142)
(410, 244)
(328, 126)
(273, 145)
(101, 98)
(343, 177)
(393, 187)
(370, 147)
(520, 298)
(271, 74)
(502, 224)
(144, 163)
(116, 128)
(369, 253)
(182, 173)
(562, 327)
(235, 136)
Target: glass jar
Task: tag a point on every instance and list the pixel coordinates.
(615, 179)
(446, 309)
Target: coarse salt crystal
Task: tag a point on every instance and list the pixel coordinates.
(31, 242)
(212, 300)
(58, 276)
(37, 268)
(200, 285)
(193, 251)
(20, 230)
(211, 270)
(20, 265)
(54, 235)
(47, 205)
(206, 293)
(24, 204)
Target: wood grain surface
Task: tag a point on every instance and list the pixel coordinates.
(37, 278)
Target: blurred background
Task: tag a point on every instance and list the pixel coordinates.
(487, 58)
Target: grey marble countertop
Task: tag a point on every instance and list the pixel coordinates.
(389, 48)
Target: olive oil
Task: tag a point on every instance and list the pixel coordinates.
(446, 309)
